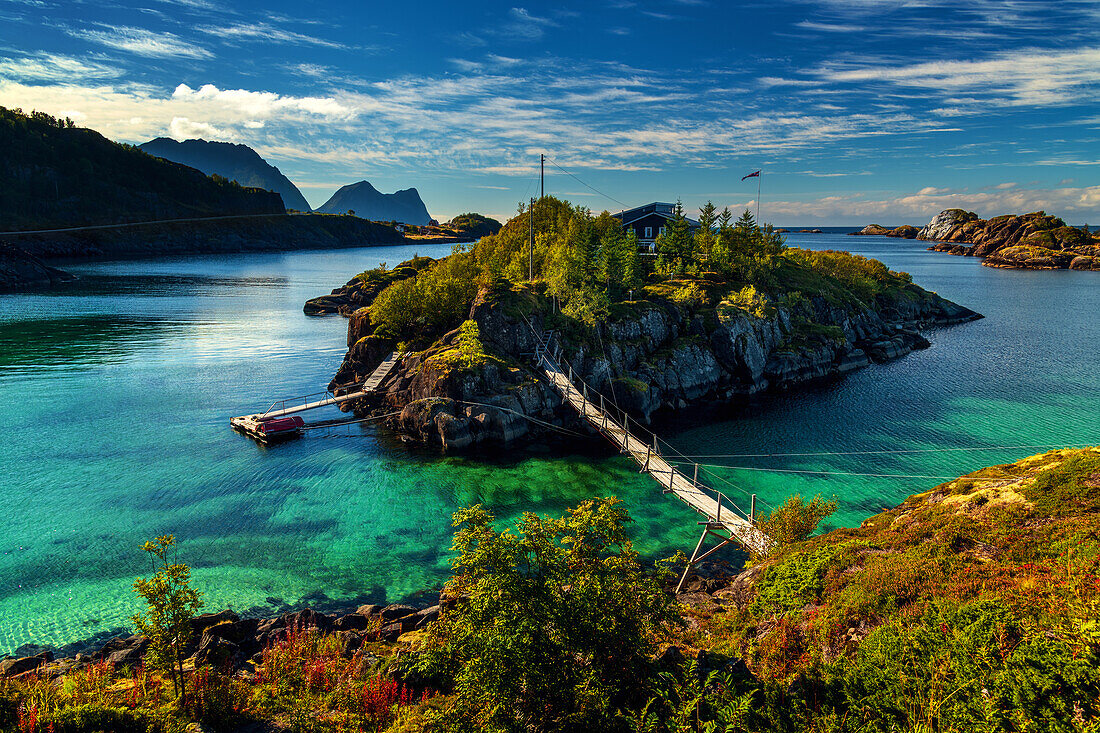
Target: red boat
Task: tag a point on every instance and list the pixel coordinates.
(283, 427)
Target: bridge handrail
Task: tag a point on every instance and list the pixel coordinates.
(545, 352)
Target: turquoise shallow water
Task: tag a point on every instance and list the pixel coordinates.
(117, 393)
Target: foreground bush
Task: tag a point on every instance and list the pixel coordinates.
(553, 623)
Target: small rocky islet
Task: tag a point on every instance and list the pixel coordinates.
(1035, 241)
(680, 342)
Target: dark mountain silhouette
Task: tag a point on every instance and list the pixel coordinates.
(238, 163)
(54, 174)
(368, 202)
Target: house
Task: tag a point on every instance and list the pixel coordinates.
(649, 221)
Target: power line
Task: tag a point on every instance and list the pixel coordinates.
(827, 473)
(884, 452)
(620, 203)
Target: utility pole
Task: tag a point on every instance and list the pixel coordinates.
(542, 176)
(531, 243)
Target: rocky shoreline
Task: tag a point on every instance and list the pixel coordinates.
(226, 640)
(20, 270)
(1034, 241)
(275, 233)
(653, 356)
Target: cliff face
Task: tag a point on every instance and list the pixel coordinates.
(1029, 241)
(238, 163)
(650, 355)
(367, 202)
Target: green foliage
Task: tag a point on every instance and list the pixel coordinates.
(675, 246)
(436, 300)
(553, 622)
(54, 174)
(750, 300)
(863, 277)
(474, 225)
(172, 606)
(796, 580)
(795, 520)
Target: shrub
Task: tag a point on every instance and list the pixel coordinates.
(172, 605)
(750, 300)
(555, 623)
(794, 520)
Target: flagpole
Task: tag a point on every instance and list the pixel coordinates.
(758, 182)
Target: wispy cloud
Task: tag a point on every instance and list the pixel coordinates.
(521, 24)
(140, 41)
(267, 33)
(50, 67)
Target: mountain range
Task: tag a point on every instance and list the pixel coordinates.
(238, 163)
(55, 174)
(368, 202)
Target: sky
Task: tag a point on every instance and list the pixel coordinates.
(855, 111)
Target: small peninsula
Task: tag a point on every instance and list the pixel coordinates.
(702, 323)
(1035, 241)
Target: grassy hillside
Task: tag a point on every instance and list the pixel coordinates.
(53, 174)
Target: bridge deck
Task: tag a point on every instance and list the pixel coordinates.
(250, 424)
(669, 477)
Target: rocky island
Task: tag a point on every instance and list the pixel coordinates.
(1035, 241)
(764, 319)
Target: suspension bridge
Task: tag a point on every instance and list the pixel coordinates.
(723, 519)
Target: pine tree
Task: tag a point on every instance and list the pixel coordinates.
(674, 245)
(704, 235)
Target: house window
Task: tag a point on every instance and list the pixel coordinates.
(648, 233)
(662, 230)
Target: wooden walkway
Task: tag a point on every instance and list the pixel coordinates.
(252, 425)
(721, 515)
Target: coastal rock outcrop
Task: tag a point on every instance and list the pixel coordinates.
(1026, 241)
(651, 356)
(20, 270)
(905, 231)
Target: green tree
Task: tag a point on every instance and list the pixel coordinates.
(172, 606)
(674, 245)
(553, 624)
(469, 342)
(795, 520)
(705, 234)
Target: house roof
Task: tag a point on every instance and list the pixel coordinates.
(663, 210)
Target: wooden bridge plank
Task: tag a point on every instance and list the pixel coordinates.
(657, 467)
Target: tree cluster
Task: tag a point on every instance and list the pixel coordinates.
(740, 249)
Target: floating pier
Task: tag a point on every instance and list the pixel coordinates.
(274, 424)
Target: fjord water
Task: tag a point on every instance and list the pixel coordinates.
(117, 393)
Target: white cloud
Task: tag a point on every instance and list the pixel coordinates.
(266, 33)
(140, 41)
(182, 128)
(56, 68)
(1034, 78)
(920, 207)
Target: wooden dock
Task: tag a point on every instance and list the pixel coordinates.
(250, 424)
(724, 520)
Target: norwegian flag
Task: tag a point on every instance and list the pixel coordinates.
(751, 175)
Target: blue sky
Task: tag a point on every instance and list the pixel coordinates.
(856, 110)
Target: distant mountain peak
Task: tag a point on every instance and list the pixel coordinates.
(234, 161)
(368, 202)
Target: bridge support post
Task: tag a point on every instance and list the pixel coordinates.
(696, 557)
